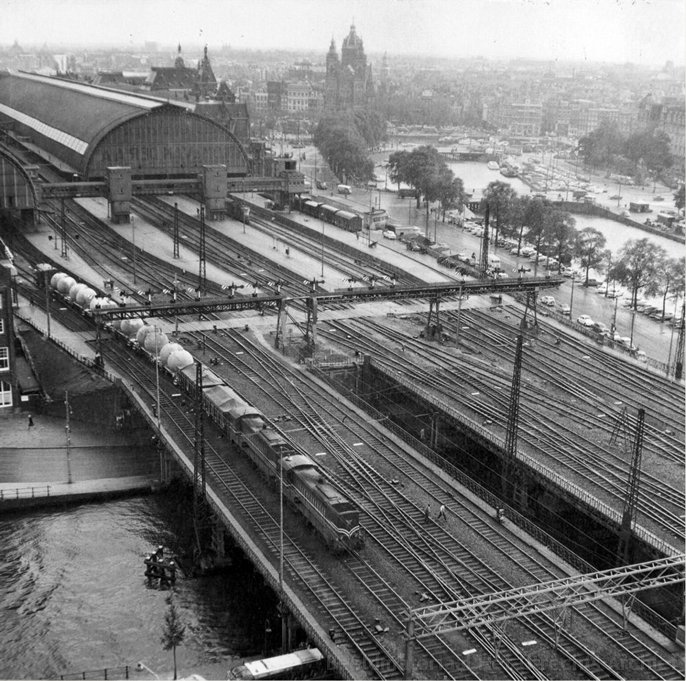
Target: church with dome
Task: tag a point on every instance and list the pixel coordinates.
(348, 82)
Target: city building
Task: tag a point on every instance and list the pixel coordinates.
(666, 116)
(180, 81)
(9, 396)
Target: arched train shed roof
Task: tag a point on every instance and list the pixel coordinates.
(17, 190)
(90, 128)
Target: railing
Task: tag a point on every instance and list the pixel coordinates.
(24, 492)
(570, 488)
(106, 673)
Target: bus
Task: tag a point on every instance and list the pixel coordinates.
(298, 664)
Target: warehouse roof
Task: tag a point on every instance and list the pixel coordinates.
(47, 105)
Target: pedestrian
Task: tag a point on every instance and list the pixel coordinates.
(441, 513)
(30, 419)
(427, 513)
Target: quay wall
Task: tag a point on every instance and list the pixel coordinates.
(586, 208)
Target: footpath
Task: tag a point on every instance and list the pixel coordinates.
(39, 467)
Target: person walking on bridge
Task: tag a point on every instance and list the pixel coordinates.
(441, 513)
(427, 513)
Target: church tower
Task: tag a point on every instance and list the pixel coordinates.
(333, 68)
(207, 83)
(178, 62)
(348, 81)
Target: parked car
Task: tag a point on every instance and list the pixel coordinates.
(584, 320)
(564, 309)
(388, 234)
(600, 328)
(321, 185)
(548, 300)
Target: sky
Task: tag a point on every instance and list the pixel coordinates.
(640, 31)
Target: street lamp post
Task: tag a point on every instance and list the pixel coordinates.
(323, 223)
(47, 299)
(571, 299)
(133, 242)
(176, 316)
(671, 338)
(281, 598)
(157, 378)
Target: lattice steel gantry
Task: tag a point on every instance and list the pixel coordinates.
(547, 597)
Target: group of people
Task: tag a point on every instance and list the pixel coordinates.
(156, 567)
(441, 513)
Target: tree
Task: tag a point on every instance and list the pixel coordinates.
(343, 147)
(672, 280)
(536, 217)
(500, 198)
(517, 219)
(560, 235)
(589, 248)
(450, 191)
(173, 631)
(602, 145)
(639, 266)
(397, 167)
(679, 197)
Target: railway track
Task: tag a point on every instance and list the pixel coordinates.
(482, 390)
(384, 513)
(260, 520)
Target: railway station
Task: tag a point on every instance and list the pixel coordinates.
(312, 388)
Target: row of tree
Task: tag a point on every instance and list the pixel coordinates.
(344, 138)
(641, 265)
(634, 154)
(428, 174)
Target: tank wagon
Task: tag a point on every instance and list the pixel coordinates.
(305, 485)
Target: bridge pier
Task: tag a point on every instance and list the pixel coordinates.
(218, 540)
(167, 465)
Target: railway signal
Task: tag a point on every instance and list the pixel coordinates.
(232, 288)
(312, 283)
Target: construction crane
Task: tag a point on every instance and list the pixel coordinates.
(631, 500)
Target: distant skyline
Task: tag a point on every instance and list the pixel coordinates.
(648, 32)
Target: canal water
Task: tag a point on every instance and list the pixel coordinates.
(73, 596)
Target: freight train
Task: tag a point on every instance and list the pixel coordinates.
(305, 485)
(334, 516)
(345, 219)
